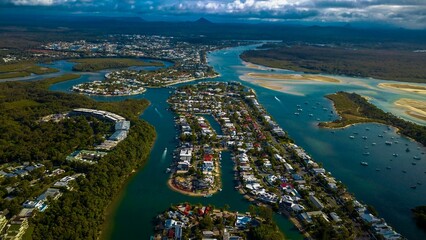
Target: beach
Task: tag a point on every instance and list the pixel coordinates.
(404, 87)
(303, 77)
(414, 108)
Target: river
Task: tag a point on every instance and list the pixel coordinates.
(388, 190)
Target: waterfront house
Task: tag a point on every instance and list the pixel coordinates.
(317, 203)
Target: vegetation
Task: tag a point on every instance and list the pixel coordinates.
(389, 64)
(419, 214)
(96, 64)
(267, 228)
(23, 137)
(355, 109)
(23, 69)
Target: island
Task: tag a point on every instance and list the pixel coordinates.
(270, 170)
(354, 109)
(186, 221)
(64, 156)
(96, 64)
(22, 69)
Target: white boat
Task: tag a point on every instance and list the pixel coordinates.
(388, 143)
(364, 163)
(208, 195)
(351, 137)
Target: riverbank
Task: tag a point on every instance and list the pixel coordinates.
(111, 210)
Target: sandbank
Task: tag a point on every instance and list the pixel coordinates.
(414, 108)
(304, 77)
(404, 87)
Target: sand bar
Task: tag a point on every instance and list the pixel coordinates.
(404, 87)
(414, 108)
(304, 77)
(254, 66)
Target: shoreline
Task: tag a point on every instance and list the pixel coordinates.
(191, 194)
(109, 95)
(185, 81)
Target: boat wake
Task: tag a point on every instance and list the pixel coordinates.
(277, 99)
(158, 112)
(163, 156)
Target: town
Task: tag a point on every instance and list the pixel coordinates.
(188, 63)
(270, 169)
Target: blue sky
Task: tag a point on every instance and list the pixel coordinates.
(401, 13)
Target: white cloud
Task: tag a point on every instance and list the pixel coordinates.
(39, 2)
(407, 13)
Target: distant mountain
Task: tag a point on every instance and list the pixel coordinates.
(203, 21)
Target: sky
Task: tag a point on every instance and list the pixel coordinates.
(400, 13)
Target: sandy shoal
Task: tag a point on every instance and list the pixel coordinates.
(305, 77)
(254, 66)
(404, 87)
(414, 108)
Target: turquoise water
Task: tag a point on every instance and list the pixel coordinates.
(388, 190)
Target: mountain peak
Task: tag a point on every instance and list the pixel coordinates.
(203, 21)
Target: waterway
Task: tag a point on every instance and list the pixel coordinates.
(388, 189)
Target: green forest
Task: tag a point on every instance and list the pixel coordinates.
(383, 62)
(353, 108)
(96, 64)
(23, 69)
(23, 137)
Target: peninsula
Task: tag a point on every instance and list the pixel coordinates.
(270, 170)
(354, 109)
